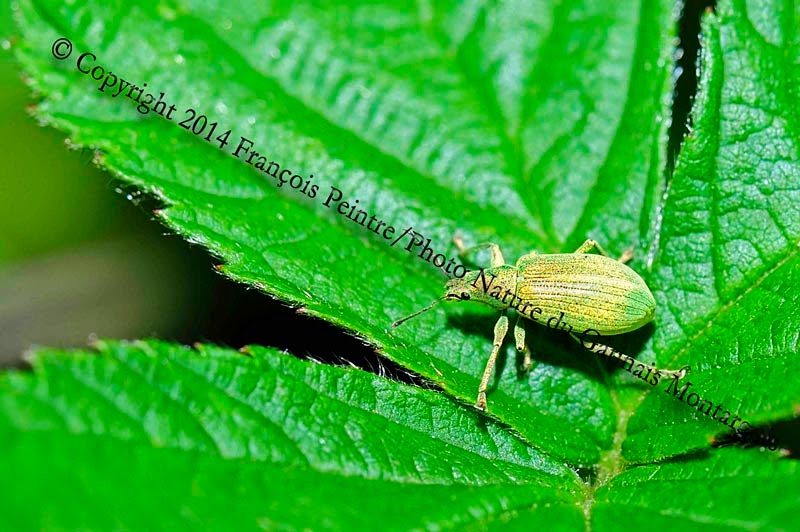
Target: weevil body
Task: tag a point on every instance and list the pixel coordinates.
(583, 294)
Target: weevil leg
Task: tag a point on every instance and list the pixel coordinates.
(497, 255)
(522, 346)
(613, 354)
(589, 245)
(500, 330)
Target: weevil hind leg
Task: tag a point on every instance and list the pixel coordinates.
(497, 255)
(613, 354)
(500, 330)
(522, 345)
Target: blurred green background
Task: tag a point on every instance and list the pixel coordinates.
(76, 257)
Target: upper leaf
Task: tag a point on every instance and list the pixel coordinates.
(447, 119)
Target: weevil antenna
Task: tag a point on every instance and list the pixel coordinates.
(417, 313)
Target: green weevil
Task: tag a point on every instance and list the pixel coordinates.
(586, 295)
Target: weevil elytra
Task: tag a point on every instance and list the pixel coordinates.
(581, 293)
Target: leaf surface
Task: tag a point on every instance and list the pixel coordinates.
(447, 118)
(188, 436)
(424, 121)
(726, 266)
(152, 420)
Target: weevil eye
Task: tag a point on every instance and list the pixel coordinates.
(464, 296)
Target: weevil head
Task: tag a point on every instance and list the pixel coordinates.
(492, 286)
(457, 290)
(486, 286)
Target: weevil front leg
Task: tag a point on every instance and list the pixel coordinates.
(497, 255)
(500, 330)
(522, 347)
(611, 353)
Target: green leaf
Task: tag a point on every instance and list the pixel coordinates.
(726, 268)
(402, 110)
(215, 424)
(730, 489)
(149, 433)
(534, 126)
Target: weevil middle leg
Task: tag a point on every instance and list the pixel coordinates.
(590, 244)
